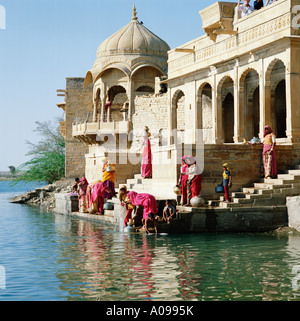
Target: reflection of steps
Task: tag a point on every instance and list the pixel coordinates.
(269, 192)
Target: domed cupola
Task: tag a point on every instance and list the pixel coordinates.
(128, 48)
(134, 38)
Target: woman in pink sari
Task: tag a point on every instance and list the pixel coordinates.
(269, 154)
(146, 200)
(147, 156)
(98, 194)
(82, 196)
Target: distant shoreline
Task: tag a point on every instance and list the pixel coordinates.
(8, 176)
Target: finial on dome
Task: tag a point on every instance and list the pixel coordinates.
(134, 17)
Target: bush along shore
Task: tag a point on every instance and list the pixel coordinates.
(44, 196)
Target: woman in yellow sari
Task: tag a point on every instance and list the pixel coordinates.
(108, 177)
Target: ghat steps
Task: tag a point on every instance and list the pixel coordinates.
(150, 186)
(268, 192)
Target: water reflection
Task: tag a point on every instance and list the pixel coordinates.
(54, 257)
(106, 265)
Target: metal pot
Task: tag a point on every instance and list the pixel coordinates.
(109, 168)
(177, 190)
(108, 206)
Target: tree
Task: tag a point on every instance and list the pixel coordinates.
(12, 169)
(47, 163)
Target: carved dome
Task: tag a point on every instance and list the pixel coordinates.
(129, 47)
(134, 38)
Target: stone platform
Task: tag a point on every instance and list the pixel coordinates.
(195, 220)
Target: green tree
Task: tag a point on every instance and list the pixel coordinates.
(47, 162)
(12, 169)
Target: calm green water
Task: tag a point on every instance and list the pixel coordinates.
(52, 257)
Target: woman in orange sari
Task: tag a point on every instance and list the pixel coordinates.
(269, 154)
(108, 177)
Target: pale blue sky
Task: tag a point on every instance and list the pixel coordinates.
(46, 41)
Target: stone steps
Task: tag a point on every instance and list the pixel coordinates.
(267, 192)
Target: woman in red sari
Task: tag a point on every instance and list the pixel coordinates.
(147, 156)
(194, 180)
(183, 180)
(269, 154)
(98, 194)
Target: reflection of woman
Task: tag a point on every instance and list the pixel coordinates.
(82, 195)
(269, 154)
(125, 201)
(194, 178)
(98, 194)
(146, 161)
(108, 177)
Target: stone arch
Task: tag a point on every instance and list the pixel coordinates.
(139, 66)
(177, 115)
(204, 116)
(143, 79)
(225, 108)
(276, 97)
(117, 96)
(249, 103)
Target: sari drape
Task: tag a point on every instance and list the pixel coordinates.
(147, 159)
(98, 196)
(148, 202)
(269, 157)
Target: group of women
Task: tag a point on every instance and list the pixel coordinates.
(190, 179)
(92, 196)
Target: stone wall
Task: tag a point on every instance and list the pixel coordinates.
(151, 111)
(78, 104)
(245, 163)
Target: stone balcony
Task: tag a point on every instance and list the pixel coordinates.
(95, 132)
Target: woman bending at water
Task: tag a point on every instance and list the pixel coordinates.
(146, 200)
(125, 201)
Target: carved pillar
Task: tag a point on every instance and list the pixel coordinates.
(292, 81)
(95, 116)
(102, 108)
(265, 100)
(216, 103)
(239, 98)
(130, 94)
(262, 98)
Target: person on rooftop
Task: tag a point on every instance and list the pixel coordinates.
(258, 4)
(245, 9)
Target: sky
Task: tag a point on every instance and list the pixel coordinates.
(46, 41)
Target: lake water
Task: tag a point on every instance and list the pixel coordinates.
(45, 256)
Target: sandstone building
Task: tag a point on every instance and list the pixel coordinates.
(206, 98)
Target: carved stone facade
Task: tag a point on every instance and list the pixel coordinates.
(215, 91)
